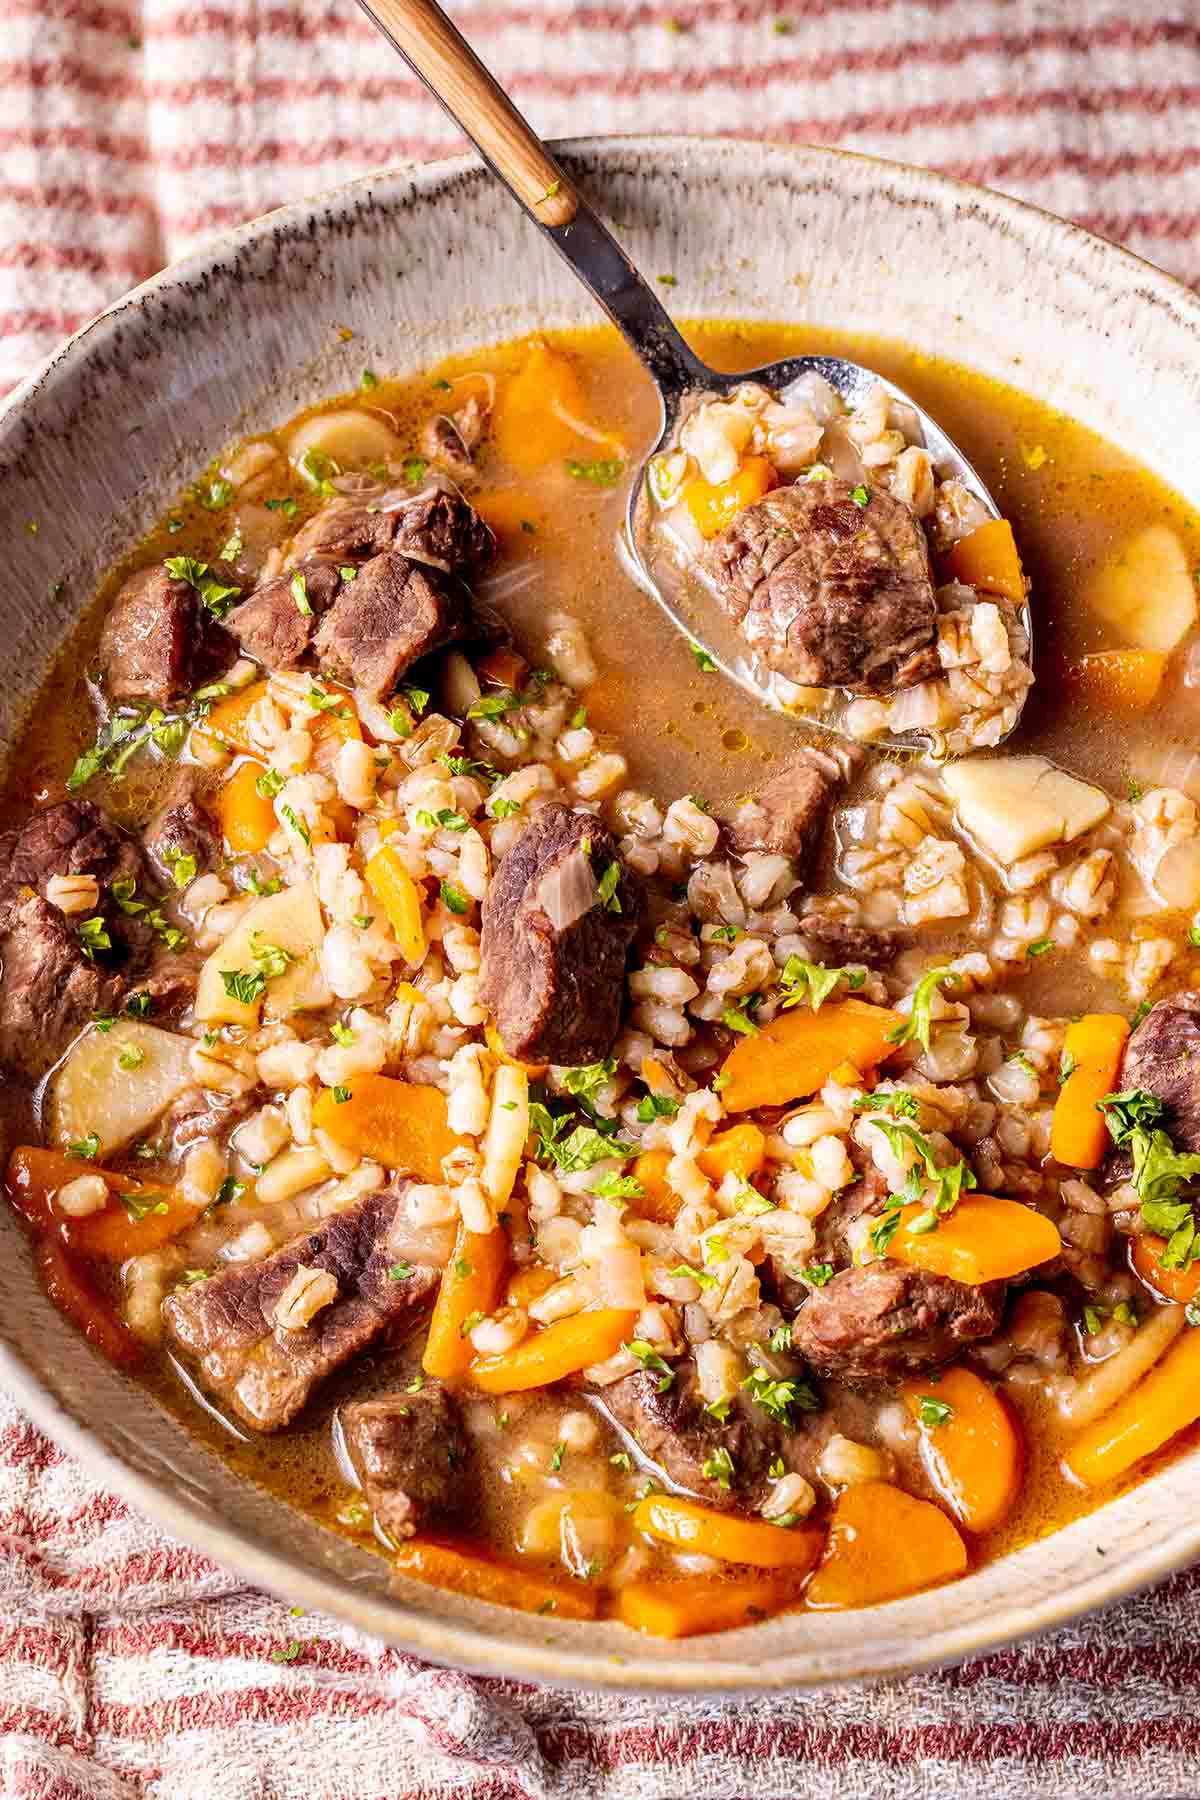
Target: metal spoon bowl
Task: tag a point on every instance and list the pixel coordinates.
(452, 72)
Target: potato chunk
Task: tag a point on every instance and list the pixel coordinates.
(1014, 805)
(289, 921)
(116, 1084)
(1146, 591)
(351, 439)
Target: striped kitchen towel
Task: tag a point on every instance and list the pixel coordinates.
(133, 128)
(132, 1669)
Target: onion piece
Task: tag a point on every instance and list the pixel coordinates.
(567, 891)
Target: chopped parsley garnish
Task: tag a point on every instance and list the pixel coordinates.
(287, 1655)
(297, 824)
(1134, 1121)
(860, 496)
(719, 1467)
(1194, 936)
(139, 1006)
(895, 1100)
(244, 985)
(572, 1150)
(85, 1149)
(778, 1396)
(341, 1095)
(1039, 948)
(685, 1272)
(400, 1271)
(726, 934)
(299, 585)
(556, 1461)
(368, 380)
(230, 1189)
(933, 1412)
(446, 819)
(269, 783)
(818, 1274)
(453, 898)
(232, 548)
(706, 664)
(288, 507)
(918, 1022)
(215, 495)
(621, 1459)
(141, 1206)
(341, 1034)
(656, 1106)
(217, 596)
(93, 936)
(181, 865)
(586, 1080)
(650, 1359)
(600, 474)
(606, 888)
(470, 1322)
(131, 1057)
(257, 885)
(814, 982)
(738, 1017)
(780, 1340)
(414, 469)
(948, 1183)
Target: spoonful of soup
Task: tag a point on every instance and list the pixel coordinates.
(811, 529)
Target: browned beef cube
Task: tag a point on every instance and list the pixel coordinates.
(265, 1373)
(835, 941)
(1163, 1057)
(830, 592)
(392, 614)
(411, 1454)
(885, 1321)
(182, 830)
(558, 920)
(445, 531)
(722, 1461)
(49, 989)
(787, 816)
(273, 626)
(72, 838)
(346, 529)
(159, 639)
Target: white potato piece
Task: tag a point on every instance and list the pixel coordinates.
(92, 1092)
(1014, 805)
(291, 921)
(1146, 591)
(351, 438)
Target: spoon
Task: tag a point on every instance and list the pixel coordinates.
(454, 75)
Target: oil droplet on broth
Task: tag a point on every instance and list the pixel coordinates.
(735, 739)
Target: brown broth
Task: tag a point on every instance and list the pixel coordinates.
(1073, 499)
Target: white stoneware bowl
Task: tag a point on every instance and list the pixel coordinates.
(418, 263)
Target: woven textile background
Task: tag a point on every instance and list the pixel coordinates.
(129, 1668)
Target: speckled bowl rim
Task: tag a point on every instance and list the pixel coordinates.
(486, 1648)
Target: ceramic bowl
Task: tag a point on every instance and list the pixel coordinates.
(418, 263)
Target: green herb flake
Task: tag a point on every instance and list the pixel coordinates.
(706, 664)
(860, 496)
(453, 898)
(131, 1057)
(400, 1271)
(602, 474)
(650, 1359)
(85, 1149)
(719, 1467)
(917, 1025)
(341, 1095)
(933, 1413)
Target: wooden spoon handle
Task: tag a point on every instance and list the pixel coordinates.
(454, 75)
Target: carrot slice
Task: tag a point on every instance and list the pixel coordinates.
(247, 817)
(790, 1058)
(76, 1296)
(675, 1609)
(686, 1525)
(470, 1287)
(657, 1200)
(539, 412)
(228, 718)
(400, 898)
(560, 1350)
(882, 1544)
(988, 559)
(1092, 1052)
(154, 1216)
(740, 1150)
(974, 1455)
(487, 1578)
(983, 1239)
(1126, 680)
(1164, 1402)
(1180, 1285)
(714, 507)
(401, 1124)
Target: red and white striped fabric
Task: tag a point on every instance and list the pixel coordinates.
(131, 1669)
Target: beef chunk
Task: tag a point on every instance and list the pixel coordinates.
(445, 531)
(181, 828)
(788, 816)
(394, 613)
(1163, 1056)
(271, 627)
(836, 941)
(553, 951)
(885, 1321)
(346, 528)
(72, 838)
(410, 1453)
(451, 439)
(866, 1195)
(49, 988)
(264, 1373)
(830, 593)
(159, 640)
(673, 1429)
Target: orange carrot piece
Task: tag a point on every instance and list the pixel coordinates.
(740, 1150)
(34, 1177)
(400, 897)
(983, 1239)
(528, 1283)
(247, 818)
(1163, 1404)
(1092, 1052)
(519, 518)
(487, 1578)
(470, 1286)
(714, 507)
(76, 1296)
(686, 1525)
(792, 1057)
(531, 424)
(883, 1544)
(988, 559)
(1124, 680)
(330, 732)
(560, 1350)
(657, 1200)
(401, 1124)
(228, 718)
(1180, 1285)
(974, 1458)
(676, 1609)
